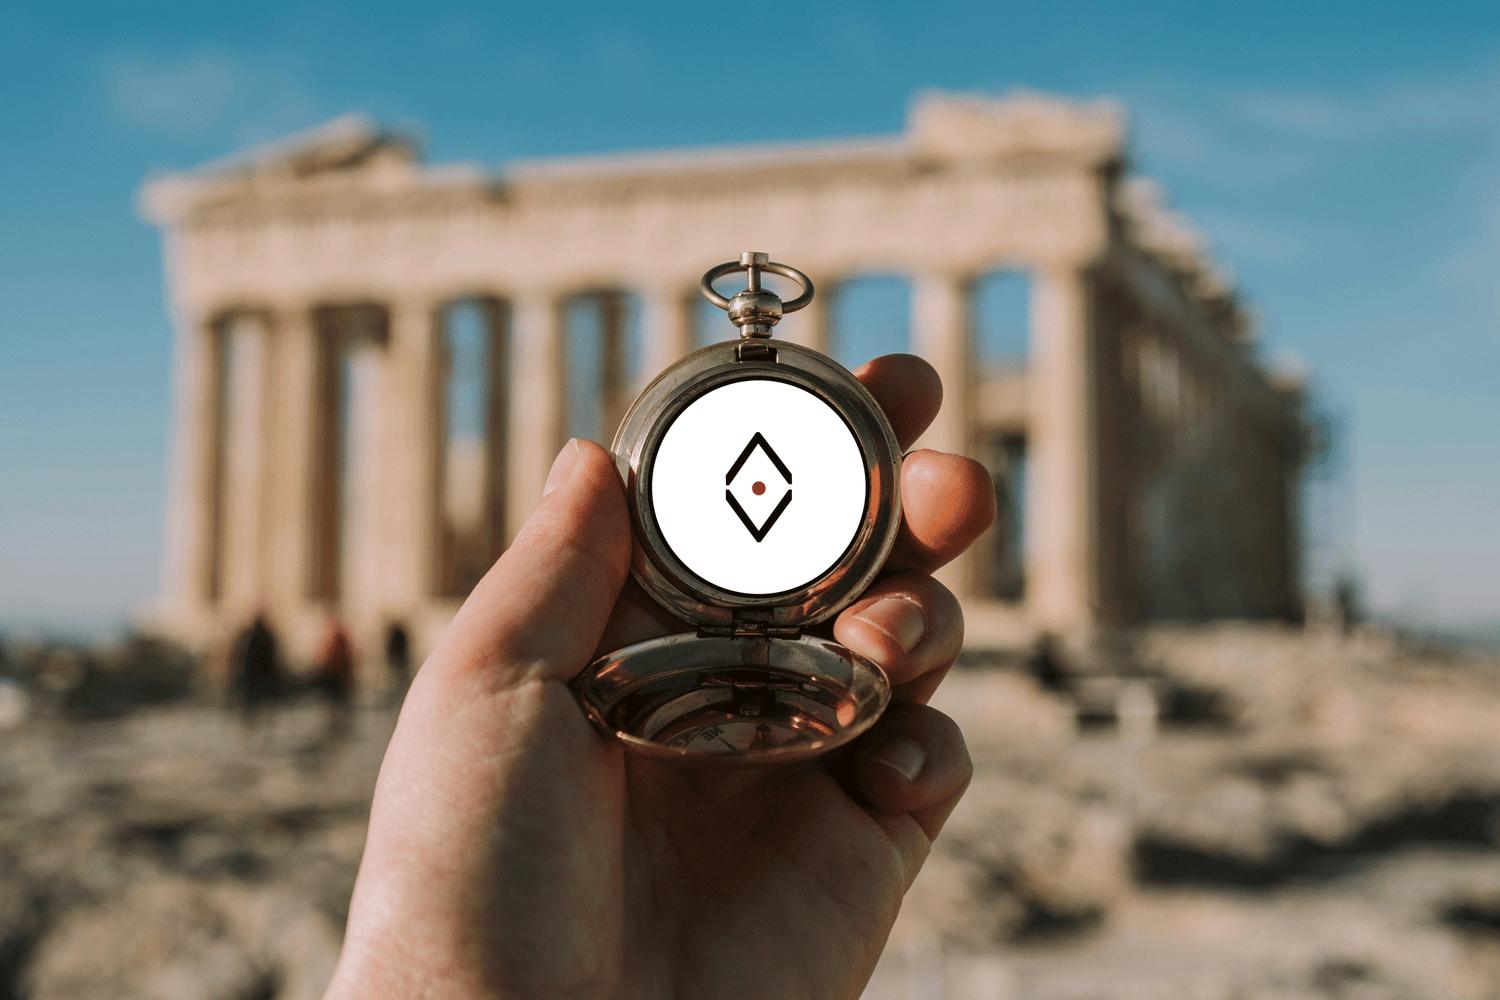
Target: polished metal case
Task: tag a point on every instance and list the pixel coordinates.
(748, 685)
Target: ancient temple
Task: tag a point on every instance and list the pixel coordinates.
(375, 360)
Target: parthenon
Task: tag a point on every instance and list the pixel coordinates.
(374, 365)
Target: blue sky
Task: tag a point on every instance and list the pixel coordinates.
(1343, 160)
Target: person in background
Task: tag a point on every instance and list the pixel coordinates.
(398, 661)
(255, 671)
(334, 676)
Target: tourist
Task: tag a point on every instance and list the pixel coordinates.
(333, 675)
(255, 672)
(397, 661)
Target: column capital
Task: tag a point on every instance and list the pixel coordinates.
(292, 314)
(197, 316)
(1071, 258)
(959, 276)
(551, 293)
(662, 288)
(407, 303)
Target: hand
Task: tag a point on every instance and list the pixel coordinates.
(514, 853)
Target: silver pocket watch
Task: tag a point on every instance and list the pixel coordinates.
(764, 489)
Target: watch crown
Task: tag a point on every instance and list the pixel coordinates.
(755, 312)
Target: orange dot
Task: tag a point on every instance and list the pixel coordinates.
(758, 489)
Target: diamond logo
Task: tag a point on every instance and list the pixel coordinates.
(752, 486)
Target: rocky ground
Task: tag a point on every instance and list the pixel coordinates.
(1262, 813)
(171, 854)
(1234, 812)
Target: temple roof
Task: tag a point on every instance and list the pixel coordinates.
(354, 152)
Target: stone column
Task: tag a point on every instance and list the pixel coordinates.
(536, 401)
(666, 329)
(246, 481)
(366, 488)
(942, 334)
(1061, 531)
(809, 326)
(290, 460)
(189, 519)
(616, 388)
(408, 446)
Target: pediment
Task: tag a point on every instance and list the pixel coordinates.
(349, 153)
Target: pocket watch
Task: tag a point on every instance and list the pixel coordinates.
(763, 482)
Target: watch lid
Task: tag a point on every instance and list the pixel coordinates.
(736, 697)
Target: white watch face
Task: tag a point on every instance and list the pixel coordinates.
(759, 487)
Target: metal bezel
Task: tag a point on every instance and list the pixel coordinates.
(694, 599)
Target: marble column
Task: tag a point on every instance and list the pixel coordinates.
(294, 359)
(1061, 522)
(536, 401)
(616, 387)
(408, 444)
(246, 486)
(666, 329)
(941, 331)
(369, 474)
(187, 530)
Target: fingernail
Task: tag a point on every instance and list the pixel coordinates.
(562, 466)
(905, 757)
(902, 620)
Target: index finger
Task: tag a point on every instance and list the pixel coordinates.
(907, 388)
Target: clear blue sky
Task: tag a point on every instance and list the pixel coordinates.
(1343, 158)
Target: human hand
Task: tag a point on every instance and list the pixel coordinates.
(514, 853)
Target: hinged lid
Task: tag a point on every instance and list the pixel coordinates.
(750, 627)
(726, 698)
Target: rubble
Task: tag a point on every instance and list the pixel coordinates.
(172, 853)
(1335, 797)
(1245, 812)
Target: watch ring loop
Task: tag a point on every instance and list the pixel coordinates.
(706, 285)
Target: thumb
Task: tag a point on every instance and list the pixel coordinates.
(540, 610)
(492, 781)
